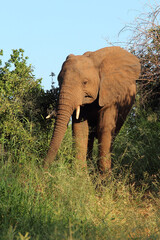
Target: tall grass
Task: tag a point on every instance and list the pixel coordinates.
(63, 202)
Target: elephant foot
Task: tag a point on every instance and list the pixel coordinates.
(102, 182)
(104, 166)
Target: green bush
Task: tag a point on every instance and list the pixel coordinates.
(21, 114)
(137, 145)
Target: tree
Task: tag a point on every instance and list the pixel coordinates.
(19, 111)
(146, 45)
(24, 106)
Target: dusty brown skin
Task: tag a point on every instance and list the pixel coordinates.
(103, 84)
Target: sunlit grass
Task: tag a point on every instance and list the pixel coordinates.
(64, 201)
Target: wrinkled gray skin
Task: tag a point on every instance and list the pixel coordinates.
(102, 86)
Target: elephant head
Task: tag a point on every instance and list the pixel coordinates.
(105, 75)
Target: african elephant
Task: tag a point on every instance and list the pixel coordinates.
(98, 90)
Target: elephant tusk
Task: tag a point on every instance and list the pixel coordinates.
(77, 112)
(48, 116)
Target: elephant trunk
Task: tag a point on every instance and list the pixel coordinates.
(65, 110)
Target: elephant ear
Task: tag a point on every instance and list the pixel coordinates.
(118, 71)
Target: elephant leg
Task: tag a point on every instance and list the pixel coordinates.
(106, 128)
(80, 134)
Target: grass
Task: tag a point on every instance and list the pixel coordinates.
(63, 202)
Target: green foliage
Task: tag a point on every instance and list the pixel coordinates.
(11, 235)
(17, 90)
(63, 203)
(137, 146)
(22, 108)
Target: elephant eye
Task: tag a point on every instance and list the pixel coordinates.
(85, 82)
